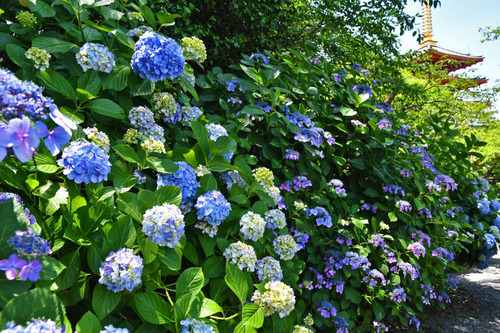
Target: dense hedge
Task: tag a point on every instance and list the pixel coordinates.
(282, 196)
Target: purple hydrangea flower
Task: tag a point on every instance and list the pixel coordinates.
(326, 309)
(260, 57)
(362, 89)
(300, 120)
(28, 244)
(11, 266)
(292, 154)
(31, 271)
(323, 218)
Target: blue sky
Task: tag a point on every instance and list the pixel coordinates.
(456, 26)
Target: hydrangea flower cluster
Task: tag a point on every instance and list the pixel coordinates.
(301, 238)
(28, 244)
(95, 56)
(417, 248)
(232, 177)
(394, 189)
(156, 57)
(385, 123)
(275, 219)
(99, 138)
(165, 105)
(259, 57)
(85, 162)
(495, 205)
(21, 101)
(285, 247)
(314, 136)
(363, 90)
(214, 132)
(403, 205)
(121, 270)
(212, 207)
(263, 106)
(252, 226)
(235, 84)
(40, 58)
(153, 146)
(277, 298)
(112, 329)
(35, 325)
(139, 31)
(195, 326)
(26, 19)
(372, 277)
(164, 225)
(323, 218)
(367, 206)
(300, 120)
(338, 187)
(292, 155)
(301, 329)
(484, 206)
(185, 178)
(377, 240)
(264, 176)
(356, 261)
(406, 268)
(193, 47)
(326, 309)
(141, 117)
(398, 294)
(190, 113)
(269, 268)
(242, 255)
(135, 16)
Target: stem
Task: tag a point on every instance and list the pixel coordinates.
(225, 318)
(169, 299)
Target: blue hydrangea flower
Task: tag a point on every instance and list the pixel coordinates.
(190, 113)
(233, 84)
(362, 89)
(141, 179)
(300, 120)
(484, 184)
(95, 56)
(185, 178)
(275, 219)
(156, 57)
(301, 238)
(495, 205)
(326, 309)
(276, 298)
(165, 105)
(141, 117)
(232, 177)
(285, 247)
(263, 106)
(496, 222)
(356, 67)
(489, 241)
(85, 162)
(269, 268)
(212, 208)
(323, 218)
(292, 154)
(121, 270)
(403, 205)
(164, 225)
(18, 98)
(312, 135)
(31, 271)
(28, 244)
(398, 294)
(252, 226)
(139, 31)
(112, 329)
(484, 206)
(259, 57)
(195, 326)
(356, 261)
(34, 326)
(242, 255)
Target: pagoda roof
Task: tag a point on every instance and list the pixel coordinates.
(462, 60)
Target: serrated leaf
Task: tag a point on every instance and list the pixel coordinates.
(152, 308)
(57, 82)
(209, 307)
(169, 194)
(104, 301)
(127, 153)
(252, 315)
(89, 323)
(237, 281)
(17, 54)
(190, 281)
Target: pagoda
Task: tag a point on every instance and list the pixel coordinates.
(456, 61)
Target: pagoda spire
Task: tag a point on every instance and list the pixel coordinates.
(427, 25)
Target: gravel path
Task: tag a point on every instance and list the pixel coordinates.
(475, 306)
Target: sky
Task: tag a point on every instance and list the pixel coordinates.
(456, 25)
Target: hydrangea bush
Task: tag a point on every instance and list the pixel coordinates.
(284, 196)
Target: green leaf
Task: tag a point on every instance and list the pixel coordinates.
(127, 153)
(54, 195)
(140, 87)
(392, 217)
(128, 203)
(122, 234)
(13, 219)
(252, 315)
(201, 135)
(165, 18)
(152, 308)
(148, 248)
(237, 281)
(51, 268)
(214, 267)
(209, 307)
(253, 110)
(163, 165)
(43, 163)
(169, 194)
(347, 111)
(189, 87)
(352, 295)
(123, 182)
(42, 9)
(379, 311)
(190, 281)
(172, 258)
(89, 323)
(104, 301)
(70, 274)
(106, 107)
(17, 55)
(53, 45)
(35, 303)
(183, 306)
(117, 79)
(57, 82)
(359, 223)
